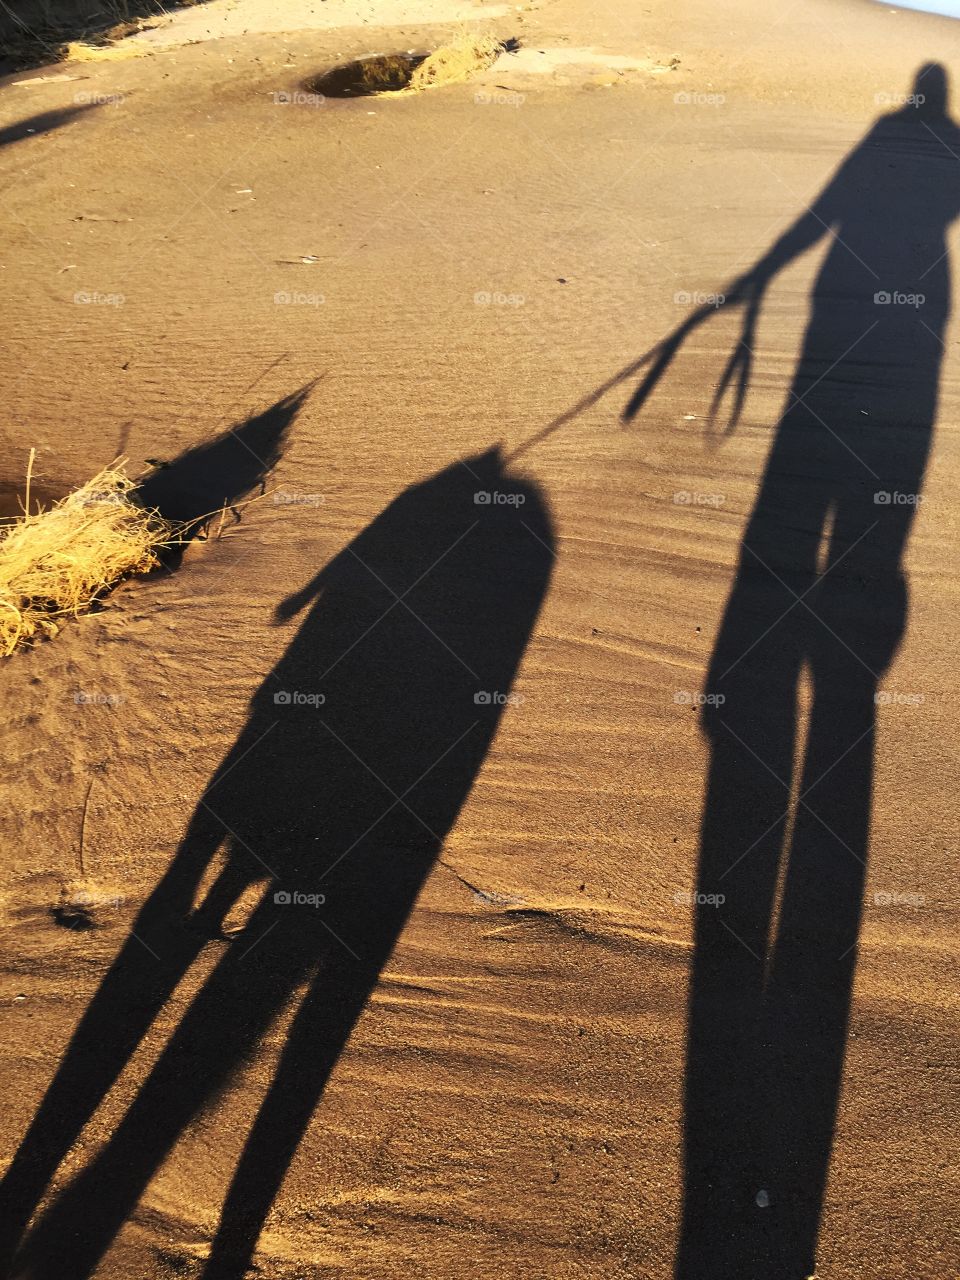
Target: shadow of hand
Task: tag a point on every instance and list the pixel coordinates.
(748, 289)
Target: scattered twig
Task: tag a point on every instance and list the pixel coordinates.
(83, 829)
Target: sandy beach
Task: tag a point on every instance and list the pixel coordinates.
(513, 681)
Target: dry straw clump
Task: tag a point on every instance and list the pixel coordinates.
(465, 54)
(54, 564)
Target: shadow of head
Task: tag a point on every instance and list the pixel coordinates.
(203, 480)
(931, 90)
(468, 515)
(472, 488)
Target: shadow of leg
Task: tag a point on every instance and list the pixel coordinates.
(315, 1040)
(744, 826)
(807, 1001)
(160, 949)
(237, 1003)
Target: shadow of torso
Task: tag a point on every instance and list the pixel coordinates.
(364, 740)
(843, 477)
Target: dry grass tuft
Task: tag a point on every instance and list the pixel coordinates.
(465, 54)
(83, 51)
(54, 564)
(38, 31)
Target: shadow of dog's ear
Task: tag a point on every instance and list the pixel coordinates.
(221, 471)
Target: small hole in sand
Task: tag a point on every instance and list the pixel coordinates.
(359, 79)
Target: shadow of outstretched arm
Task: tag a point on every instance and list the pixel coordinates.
(747, 290)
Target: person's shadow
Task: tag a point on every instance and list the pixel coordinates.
(361, 747)
(819, 602)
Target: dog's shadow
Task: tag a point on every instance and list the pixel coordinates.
(361, 747)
